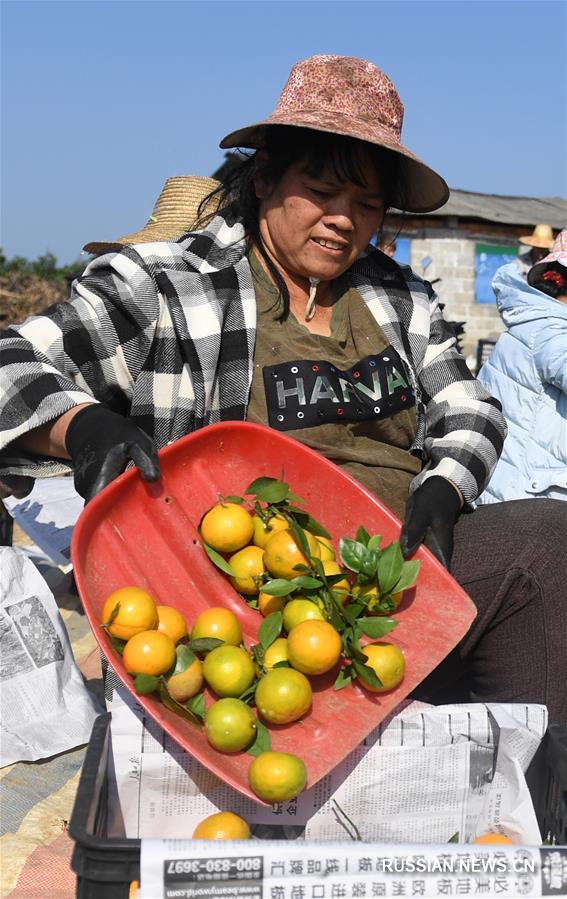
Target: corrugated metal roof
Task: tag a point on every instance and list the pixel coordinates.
(506, 210)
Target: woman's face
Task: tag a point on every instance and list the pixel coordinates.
(318, 226)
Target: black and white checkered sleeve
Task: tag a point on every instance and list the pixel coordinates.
(465, 428)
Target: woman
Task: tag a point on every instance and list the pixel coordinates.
(527, 371)
(278, 311)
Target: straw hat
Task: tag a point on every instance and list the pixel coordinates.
(175, 212)
(558, 254)
(541, 236)
(349, 96)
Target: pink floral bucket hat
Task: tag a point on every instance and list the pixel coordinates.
(558, 254)
(349, 96)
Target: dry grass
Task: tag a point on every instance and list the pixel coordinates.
(23, 294)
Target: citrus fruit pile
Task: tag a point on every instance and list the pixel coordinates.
(317, 615)
(318, 611)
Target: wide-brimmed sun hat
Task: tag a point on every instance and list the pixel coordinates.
(541, 236)
(558, 254)
(175, 212)
(349, 96)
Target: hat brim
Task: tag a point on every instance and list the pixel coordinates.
(422, 189)
(149, 234)
(530, 241)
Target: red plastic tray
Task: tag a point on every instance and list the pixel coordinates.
(135, 533)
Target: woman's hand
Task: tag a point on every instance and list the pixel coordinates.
(101, 443)
(431, 513)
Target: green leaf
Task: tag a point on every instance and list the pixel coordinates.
(307, 583)
(218, 560)
(279, 587)
(344, 678)
(233, 499)
(300, 538)
(113, 615)
(145, 683)
(185, 658)
(249, 694)
(259, 484)
(258, 653)
(270, 629)
(196, 705)
(353, 610)
(262, 741)
(269, 490)
(408, 576)
(205, 644)
(455, 838)
(176, 707)
(374, 542)
(336, 618)
(357, 557)
(375, 627)
(362, 536)
(282, 664)
(367, 674)
(390, 565)
(314, 527)
(117, 644)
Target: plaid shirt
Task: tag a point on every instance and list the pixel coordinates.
(164, 333)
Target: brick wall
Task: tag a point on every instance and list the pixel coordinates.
(453, 261)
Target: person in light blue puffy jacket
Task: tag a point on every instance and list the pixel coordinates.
(527, 372)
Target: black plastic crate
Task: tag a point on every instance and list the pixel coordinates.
(106, 865)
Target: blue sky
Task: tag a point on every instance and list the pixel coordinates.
(105, 99)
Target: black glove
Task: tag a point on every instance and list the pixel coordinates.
(431, 513)
(101, 443)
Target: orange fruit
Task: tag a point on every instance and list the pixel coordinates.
(268, 604)
(227, 527)
(283, 695)
(186, 684)
(493, 838)
(150, 652)
(263, 532)
(342, 588)
(230, 725)
(135, 609)
(172, 623)
(277, 776)
(314, 647)
(276, 652)
(300, 609)
(229, 670)
(282, 554)
(326, 549)
(388, 662)
(248, 567)
(222, 826)
(220, 623)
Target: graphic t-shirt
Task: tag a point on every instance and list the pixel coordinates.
(347, 395)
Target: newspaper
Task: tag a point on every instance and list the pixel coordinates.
(44, 706)
(48, 515)
(426, 775)
(189, 869)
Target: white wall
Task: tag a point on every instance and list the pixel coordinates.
(453, 260)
